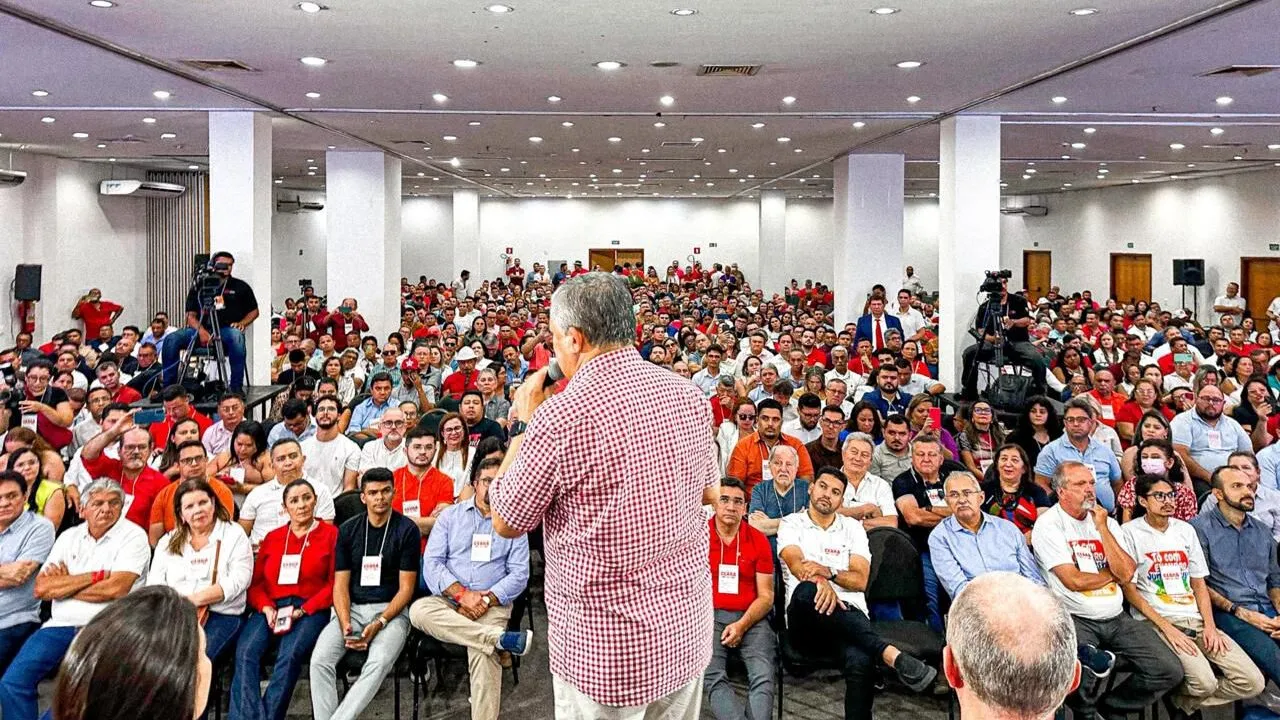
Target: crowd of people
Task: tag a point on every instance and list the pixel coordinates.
(1138, 486)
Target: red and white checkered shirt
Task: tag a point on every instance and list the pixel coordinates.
(614, 467)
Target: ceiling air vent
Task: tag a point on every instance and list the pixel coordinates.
(1241, 71)
(219, 65)
(410, 142)
(729, 70)
(680, 144)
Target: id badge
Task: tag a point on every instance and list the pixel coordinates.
(766, 475)
(237, 474)
(128, 503)
(935, 497)
(1171, 576)
(371, 571)
(481, 547)
(201, 567)
(727, 580)
(1085, 561)
(290, 567)
(30, 421)
(984, 465)
(1108, 412)
(833, 557)
(284, 620)
(1215, 439)
(413, 508)
(219, 303)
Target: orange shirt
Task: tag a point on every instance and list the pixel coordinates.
(750, 454)
(434, 488)
(162, 508)
(1110, 407)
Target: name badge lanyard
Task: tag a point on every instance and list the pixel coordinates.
(368, 527)
(727, 575)
(284, 556)
(793, 494)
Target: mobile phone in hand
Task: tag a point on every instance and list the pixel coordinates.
(935, 417)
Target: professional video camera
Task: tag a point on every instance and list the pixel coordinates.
(992, 282)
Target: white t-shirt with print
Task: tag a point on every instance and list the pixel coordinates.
(1166, 563)
(1059, 539)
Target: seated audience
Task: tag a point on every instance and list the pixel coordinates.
(139, 482)
(177, 407)
(1078, 445)
(783, 495)
(1157, 457)
(969, 542)
(193, 465)
(26, 539)
(1204, 437)
(387, 451)
(264, 509)
(46, 497)
(422, 492)
(750, 459)
(217, 438)
(479, 427)
(333, 459)
(246, 463)
(805, 426)
(867, 498)
(1012, 494)
(366, 413)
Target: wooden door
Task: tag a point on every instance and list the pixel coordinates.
(1037, 273)
(606, 258)
(603, 258)
(1259, 285)
(635, 257)
(1131, 277)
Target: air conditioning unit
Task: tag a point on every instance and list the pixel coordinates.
(141, 188)
(1032, 210)
(297, 205)
(11, 178)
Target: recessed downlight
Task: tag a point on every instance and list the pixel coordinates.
(908, 64)
(313, 95)
(567, 124)
(784, 139)
(1090, 131)
(48, 119)
(40, 93)
(1084, 11)
(667, 100)
(311, 8)
(858, 125)
(615, 139)
(913, 99)
(1078, 146)
(1224, 100)
(162, 94)
(80, 135)
(149, 120)
(193, 167)
(104, 4)
(440, 97)
(465, 63)
(101, 146)
(610, 65)
(497, 9)
(1176, 146)
(696, 139)
(449, 138)
(1059, 99)
(535, 139)
(167, 136)
(885, 11)
(1216, 131)
(455, 162)
(554, 98)
(312, 61)
(1274, 146)
(684, 12)
(789, 100)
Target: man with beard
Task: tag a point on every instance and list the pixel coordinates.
(333, 459)
(826, 564)
(422, 492)
(388, 451)
(893, 456)
(750, 459)
(886, 397)
(1204, 437)
(1244, 577)
(478, 426)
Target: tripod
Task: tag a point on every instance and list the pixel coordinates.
(992, 316)
(206, 295)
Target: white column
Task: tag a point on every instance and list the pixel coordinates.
(969, 229)
(466, 236)
(771, 263)
(240, 207)
(868, 229)
(362, 217)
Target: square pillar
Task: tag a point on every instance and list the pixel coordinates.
(240, 206)
(868, 223)
(771, 273)
(466, 237)
(362, 216)
(969, 230)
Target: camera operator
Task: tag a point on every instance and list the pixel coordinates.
(235, 307)
(1013, 315)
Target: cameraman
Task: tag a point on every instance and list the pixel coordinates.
(1013, 314)
(235, 307)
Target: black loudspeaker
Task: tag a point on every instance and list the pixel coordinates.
(26, 282)
(1188, 272)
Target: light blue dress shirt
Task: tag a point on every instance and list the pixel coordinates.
(30, 537)
(448, 556)
(1209, 451)
(959, 556)
(1106, 470)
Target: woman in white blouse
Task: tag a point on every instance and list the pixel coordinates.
(453, 458)
(207, 558)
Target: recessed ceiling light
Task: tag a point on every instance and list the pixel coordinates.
(1090, 131)
(610, 65)
(1084, 11)
(333, 147)
(111, 159)
(310, 8)
(696, 139)
(733, 170)
(1059, 99)
(1066, 157)
(535, 139)
(149, 120)
(1135, 180)
(40, 93)
(1102, 177)
(567, 124)
(757, 125)
(1191, 165)
(909, 64)
(102, 146)
(313, 61)
(570, 150)
(167, 136)
(1031, 171)
(47, 119)
(554, 98)
(104, 4)
(773, 163)
(799, 150)
(615, 139)
(1238, 157)
(1066, 185)
(162, 94)
(1216, 131)
(859, 125)
(1176, 146)
(721, 150)
(313, 95)
(278, 181)
(1274, 146)
(193, 167)
(455, 162)
(784, 139)
(684, 12)
(1004, 185)
(1142, 157)
(499, 9)
(1103, 172)
(659, 124)
(311, 172)
(440, 97)
(913, 99)
(1078, 146)
(644, 150)
(474, 123)
(884, 11)
(789, 100)
(80, 135)
(450, 138)
(1225, 100)
(667, 100)
(465, 63)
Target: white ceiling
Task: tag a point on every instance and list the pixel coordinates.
(1131, 72)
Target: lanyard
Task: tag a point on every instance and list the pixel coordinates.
(368, 526)
(305, 539)
(793, 494)
(737, 549)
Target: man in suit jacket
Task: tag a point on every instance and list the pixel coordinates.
(875, 325)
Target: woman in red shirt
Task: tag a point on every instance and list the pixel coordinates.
(291, 593)
(1145, 398)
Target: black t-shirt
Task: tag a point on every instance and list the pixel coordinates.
(910, 483)
(1015, 308)
(400, 553)
(289, 377)
(237, 299)
(52, 397)
(483, 429)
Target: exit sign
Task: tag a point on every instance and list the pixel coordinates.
(1129, 245)
(713, 245)
(1274, 247)
(615, 242)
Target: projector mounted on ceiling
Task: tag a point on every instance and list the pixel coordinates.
(297, 205)
(11, 178)
(1031, 210)
(140, 188)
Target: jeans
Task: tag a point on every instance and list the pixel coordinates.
(220, 633)
(932, 593)
(329, 651)
(232, 343)
(40, 655)
(1153, 666)
(758, 648)
(1017, 353)
(850, 630)
(294, 647)
(11, 640)
(1259, 646)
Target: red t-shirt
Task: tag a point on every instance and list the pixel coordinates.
(95, 318)
(336, 324)
(140, 493)
(434, 488)
(750, 552)
(315, 575)
(457, 383)
(126, 394)
(816, 356)
(160, 431)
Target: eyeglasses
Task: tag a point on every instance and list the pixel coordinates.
(746, 417)
(982, 411)
(1159, 496)
(1077, 420)
(966, 494)
(388, 352)
(832, 422)
(191, 461)
(393, 423)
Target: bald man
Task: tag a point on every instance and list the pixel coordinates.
(1009, 665)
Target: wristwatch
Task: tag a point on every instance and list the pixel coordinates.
(517, 428)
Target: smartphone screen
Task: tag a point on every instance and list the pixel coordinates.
(935, 417)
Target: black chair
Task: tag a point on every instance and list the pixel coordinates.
(897, 577)
(346, 506)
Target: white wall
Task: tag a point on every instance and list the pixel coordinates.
(1218, 219)
(298, 243)
(426, 238)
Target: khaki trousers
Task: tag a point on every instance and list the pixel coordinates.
(685, 703)
(437, 618)
(1202, 687)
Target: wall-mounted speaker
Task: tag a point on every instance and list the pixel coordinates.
(26, 282)
(1188, 272)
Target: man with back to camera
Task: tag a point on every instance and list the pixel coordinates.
(625, 638)
(1009, 664)
(235, 307)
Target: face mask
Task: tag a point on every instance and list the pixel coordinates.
(1153, 466)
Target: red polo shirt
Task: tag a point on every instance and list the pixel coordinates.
(750, 552)
(125, 394)
(143, 490)
(160, 431)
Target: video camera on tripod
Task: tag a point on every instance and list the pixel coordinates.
(208, 280)
(992, 285)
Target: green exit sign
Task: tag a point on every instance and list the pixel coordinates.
(1274, 247)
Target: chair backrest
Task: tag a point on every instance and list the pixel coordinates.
(896, 575)
(346, 506)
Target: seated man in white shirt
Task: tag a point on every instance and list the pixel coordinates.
(1079, 552)
(90, 565)
(913, 383)
(805, 425)
(263, 508)
(867, 498)
(333, 459)
(388, 450)
(826, 566)
(841, 370)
